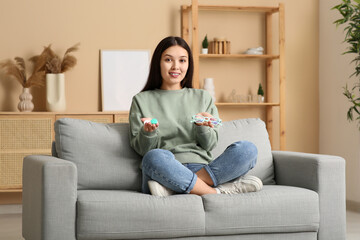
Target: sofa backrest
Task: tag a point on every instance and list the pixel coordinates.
(101, 152)
(253, 130)
(105, 160)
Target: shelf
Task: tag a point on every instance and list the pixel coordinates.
(247, 104)
(10, 190)
(263, 56)
(237, 8)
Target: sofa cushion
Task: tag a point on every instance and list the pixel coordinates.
(120, 214)
(274, 209)
(104, 214)
(253, 130)
(101, 152)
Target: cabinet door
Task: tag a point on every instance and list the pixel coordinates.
(22, 135)
(121, 118)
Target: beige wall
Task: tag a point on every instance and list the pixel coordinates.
(337, 135)
(27, 26)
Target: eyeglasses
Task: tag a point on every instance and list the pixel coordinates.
(201, 119)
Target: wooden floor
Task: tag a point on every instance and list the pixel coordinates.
(353, 225)
(10, 223)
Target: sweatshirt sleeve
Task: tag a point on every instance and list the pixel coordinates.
(207, 137)
(140, 140)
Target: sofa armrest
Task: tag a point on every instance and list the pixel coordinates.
(324, 174)
(49, 198)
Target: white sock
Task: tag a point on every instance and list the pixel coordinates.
(217, 191)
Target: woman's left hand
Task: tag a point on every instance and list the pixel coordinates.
(208, 123)
(148, 126)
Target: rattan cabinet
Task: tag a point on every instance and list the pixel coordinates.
(23, 134)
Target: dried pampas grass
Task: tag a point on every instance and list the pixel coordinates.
(40, 61)
(46, 62)
(17, 69)
(52, 63)
(68, 63)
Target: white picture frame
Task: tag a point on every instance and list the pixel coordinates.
(123, 75)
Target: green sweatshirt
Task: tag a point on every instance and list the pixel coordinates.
(174, 110)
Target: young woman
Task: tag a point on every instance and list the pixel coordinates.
(176, 152)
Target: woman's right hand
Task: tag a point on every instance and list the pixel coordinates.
(208, 115)
(148, 127)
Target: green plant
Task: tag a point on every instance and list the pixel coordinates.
(351, 18)
(205, 43)
(260, 90)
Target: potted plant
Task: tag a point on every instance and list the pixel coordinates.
(55, 67)
(205, 45)
(17, 70)
(351, 18)
(260, 93)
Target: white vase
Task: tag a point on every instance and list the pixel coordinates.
(25, 104)
(260, 99)
(204, 51)
(209, 86)
(55, 92)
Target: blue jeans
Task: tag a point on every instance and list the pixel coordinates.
(160, 165)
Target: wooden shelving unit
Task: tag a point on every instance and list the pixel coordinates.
(190, 15)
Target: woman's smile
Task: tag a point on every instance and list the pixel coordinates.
(175, 75)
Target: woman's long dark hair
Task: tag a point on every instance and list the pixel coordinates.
(155, 80)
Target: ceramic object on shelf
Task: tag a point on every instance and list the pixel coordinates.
(209, 86)
(255, 51)
(55, 92)
(25, 104)
(204, 51)
(260, 99)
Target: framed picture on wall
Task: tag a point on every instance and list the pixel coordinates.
(123, 74)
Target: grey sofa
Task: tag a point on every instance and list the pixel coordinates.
(90, 189)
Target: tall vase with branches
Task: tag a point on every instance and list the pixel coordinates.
(350, 12)
(55, 67)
